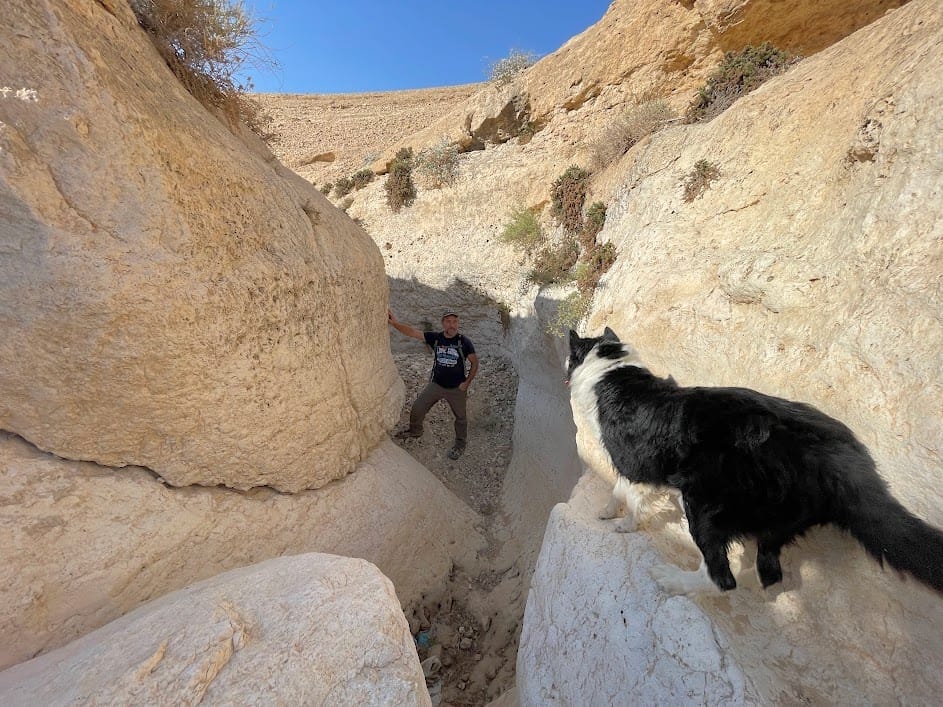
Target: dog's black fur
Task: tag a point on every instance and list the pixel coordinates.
(751, 465)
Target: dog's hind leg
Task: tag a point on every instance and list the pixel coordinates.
(712, 543)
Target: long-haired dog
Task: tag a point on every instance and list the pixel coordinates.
(747, 465)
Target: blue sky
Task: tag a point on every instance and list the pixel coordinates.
(345, 46)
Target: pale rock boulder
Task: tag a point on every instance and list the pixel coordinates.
(83, 545)
(598, 631)
(309, 629)
(170, 296)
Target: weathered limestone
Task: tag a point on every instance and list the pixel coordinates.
(83, 545)
(310, 629)
(168, 298)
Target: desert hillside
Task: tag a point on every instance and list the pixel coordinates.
(323, 137)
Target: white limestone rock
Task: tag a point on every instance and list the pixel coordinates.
(308, 629)
(83, 545)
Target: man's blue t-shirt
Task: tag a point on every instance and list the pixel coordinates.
(448, 368)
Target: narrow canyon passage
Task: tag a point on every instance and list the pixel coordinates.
(467, 631)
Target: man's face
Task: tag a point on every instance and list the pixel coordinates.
(450, 325)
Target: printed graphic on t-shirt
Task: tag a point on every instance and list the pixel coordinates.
(446, 356)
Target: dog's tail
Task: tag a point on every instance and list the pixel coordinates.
(890, 532)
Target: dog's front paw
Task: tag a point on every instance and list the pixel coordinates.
(607, 513)
(626, 524)
(675, 581)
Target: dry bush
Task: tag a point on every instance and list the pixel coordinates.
(567, 196)
(554, 262)
(207, 44)
(699, 179)
(362, 178)
(570, 313)
(737, 74)
(592, 225)
(326, 188)
(343, 186)
(439, 164)
(504, 70)
(400, 188)
(523, 230)
(594, 266)
(637, 122)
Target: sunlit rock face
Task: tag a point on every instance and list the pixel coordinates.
(170, 296)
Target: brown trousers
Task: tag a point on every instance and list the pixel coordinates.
(432, 394)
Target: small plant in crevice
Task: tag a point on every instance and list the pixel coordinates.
(399, 186)
(700, 178)
(523, 230)
(326, 188)
(503, 71)
(567, 195)
(504, 313)
(737, 74)
(553, 263)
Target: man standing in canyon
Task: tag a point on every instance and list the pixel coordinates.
(448, 381)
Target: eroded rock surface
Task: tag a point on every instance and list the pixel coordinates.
(169, 298)
(309, 629)
(83, 545)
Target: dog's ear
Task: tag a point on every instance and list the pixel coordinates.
(574, 339)
(609, 335)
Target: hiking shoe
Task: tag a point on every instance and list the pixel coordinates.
(407, 434)
(455, 452)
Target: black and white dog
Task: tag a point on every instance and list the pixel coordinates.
(747, 465)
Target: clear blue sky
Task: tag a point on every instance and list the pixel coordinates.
(342, 46)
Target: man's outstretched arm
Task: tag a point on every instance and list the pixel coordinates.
(404, 328)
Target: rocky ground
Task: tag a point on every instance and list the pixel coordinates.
(464, 651)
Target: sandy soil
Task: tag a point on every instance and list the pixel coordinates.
(348, 131)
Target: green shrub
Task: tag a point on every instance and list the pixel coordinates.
(326, 188)
(554, 262)
(570, 312)
(504, 70)
(636, 123)
(592, 225)
(594, 266)
(439, 163)
(400, 188)
(343, 186)
(362, 178)
(699, 179)
(567, 196)
(738, 74)
(208, 44)
(523, 230)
